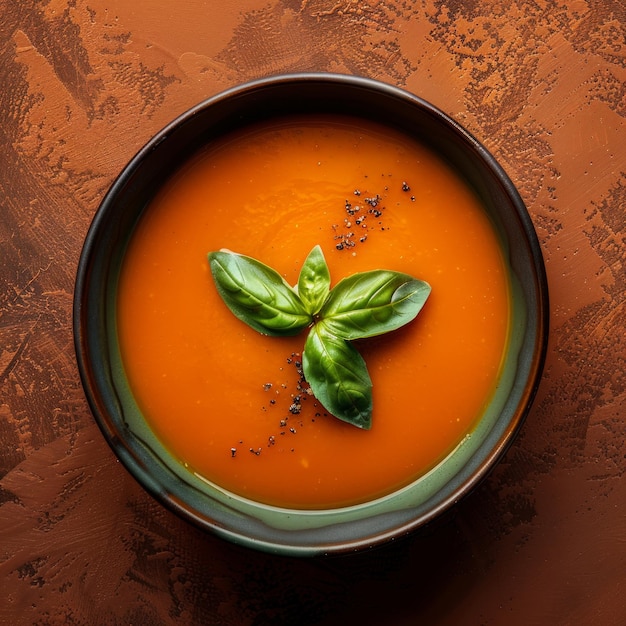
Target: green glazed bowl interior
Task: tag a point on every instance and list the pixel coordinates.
(302, 532)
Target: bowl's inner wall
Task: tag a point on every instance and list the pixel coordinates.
(135, 188)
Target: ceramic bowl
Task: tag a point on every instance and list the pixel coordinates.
(285, 531)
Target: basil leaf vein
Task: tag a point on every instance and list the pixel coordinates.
(372, 303)
(258, 295)
(314, 281)
(338, 376)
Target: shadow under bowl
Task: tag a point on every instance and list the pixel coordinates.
(273, 529)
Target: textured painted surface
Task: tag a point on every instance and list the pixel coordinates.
(84, 83)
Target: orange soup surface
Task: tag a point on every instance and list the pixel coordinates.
(228, 402)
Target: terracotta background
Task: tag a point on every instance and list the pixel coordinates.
(84, 83)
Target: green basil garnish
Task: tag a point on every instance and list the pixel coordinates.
(359, 306)
(314, 281)
(373, 303)
(258, 295)
(338, 377)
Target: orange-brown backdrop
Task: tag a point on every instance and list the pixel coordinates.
(84, 83)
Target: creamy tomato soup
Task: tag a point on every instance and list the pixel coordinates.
(230, 403)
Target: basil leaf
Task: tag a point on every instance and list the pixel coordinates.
(258, 295)
(338, 376)
(314, 281)
(372, 303)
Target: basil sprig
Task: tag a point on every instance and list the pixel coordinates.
(363, 305)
